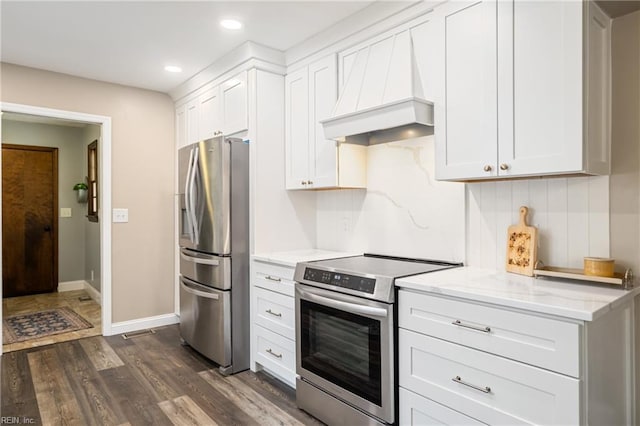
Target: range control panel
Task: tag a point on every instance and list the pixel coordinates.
(352, 282)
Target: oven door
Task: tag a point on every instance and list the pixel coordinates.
(344, 346)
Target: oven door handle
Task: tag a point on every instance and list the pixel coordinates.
(344, 306)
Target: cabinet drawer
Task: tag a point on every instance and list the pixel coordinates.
(486, 387)
(419, 411)
(276, 353)
(274, 311)
(274, 277)
(540, 341)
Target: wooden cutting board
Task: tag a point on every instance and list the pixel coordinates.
(522, 246)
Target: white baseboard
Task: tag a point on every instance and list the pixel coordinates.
(93, 293)
(143, 323)
(71, 285)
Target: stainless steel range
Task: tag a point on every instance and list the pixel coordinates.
(346, 339)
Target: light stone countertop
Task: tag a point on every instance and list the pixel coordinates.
(290, 258)
(566, 298)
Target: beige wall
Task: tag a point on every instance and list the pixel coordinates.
(142, 178)
(68, 140)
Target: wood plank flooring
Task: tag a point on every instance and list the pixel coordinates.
(146, 380)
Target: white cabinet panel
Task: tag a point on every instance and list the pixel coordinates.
(274, 311)
(209, 105)
(539, 341)
(418, 411)
(323, 94)
(233, 94)
(540, 87)
(466, 108)
(491, 389)
(193, 121)
(276, 353)
(297, 129)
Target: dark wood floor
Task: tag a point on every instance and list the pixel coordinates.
(147, 380)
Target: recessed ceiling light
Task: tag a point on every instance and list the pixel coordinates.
(231, 24)
(172, 68)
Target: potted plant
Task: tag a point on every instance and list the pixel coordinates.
(82, 188)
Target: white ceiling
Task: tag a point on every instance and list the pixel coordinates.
(130, 42)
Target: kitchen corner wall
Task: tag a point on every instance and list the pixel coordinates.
(404, 211)
(143, 150)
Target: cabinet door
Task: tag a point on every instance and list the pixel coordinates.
(466, 106)
(540, 87)
(209, 105)
(193, 121)
(323, 94)
(297, 129)
(181, 126)
(234, 104)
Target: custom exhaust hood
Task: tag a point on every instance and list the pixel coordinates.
(382, 99)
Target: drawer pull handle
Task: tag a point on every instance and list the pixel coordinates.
(485, 389)
(472, 327)
(269, 277)
(270, 352)
(275, 314)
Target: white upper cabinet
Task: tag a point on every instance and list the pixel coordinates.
(210, 113)
(312, 161)
(233, 94)
(221, 110)
(513, 99)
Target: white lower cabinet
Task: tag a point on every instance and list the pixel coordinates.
(462, 361)
(416, 410)
(273, 320)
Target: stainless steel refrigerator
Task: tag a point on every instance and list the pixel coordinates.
(213, 177)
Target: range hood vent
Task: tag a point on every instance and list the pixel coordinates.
(382, 99)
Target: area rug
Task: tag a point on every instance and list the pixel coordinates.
(21, 327)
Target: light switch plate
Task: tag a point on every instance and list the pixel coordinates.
(65, 212)
(120, 215)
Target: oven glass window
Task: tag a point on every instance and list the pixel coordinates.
(342, 348)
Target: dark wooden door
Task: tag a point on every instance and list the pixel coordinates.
(29, 225)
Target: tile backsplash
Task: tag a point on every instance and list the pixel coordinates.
(571, 214)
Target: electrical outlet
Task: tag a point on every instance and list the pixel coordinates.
(120, 215)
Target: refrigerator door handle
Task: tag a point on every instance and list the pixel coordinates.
(192, 185)
(189, 289)
(184, 255)
(187, 196)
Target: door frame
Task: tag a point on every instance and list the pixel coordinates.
(54, 212)
(104, 148)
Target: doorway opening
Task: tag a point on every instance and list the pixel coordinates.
(83, 261)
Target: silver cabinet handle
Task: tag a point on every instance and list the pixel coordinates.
(485, 389)
(270, 278)
(275, 314)
(472, 327)
(272, 353)
(487, 168)
(504, 166)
